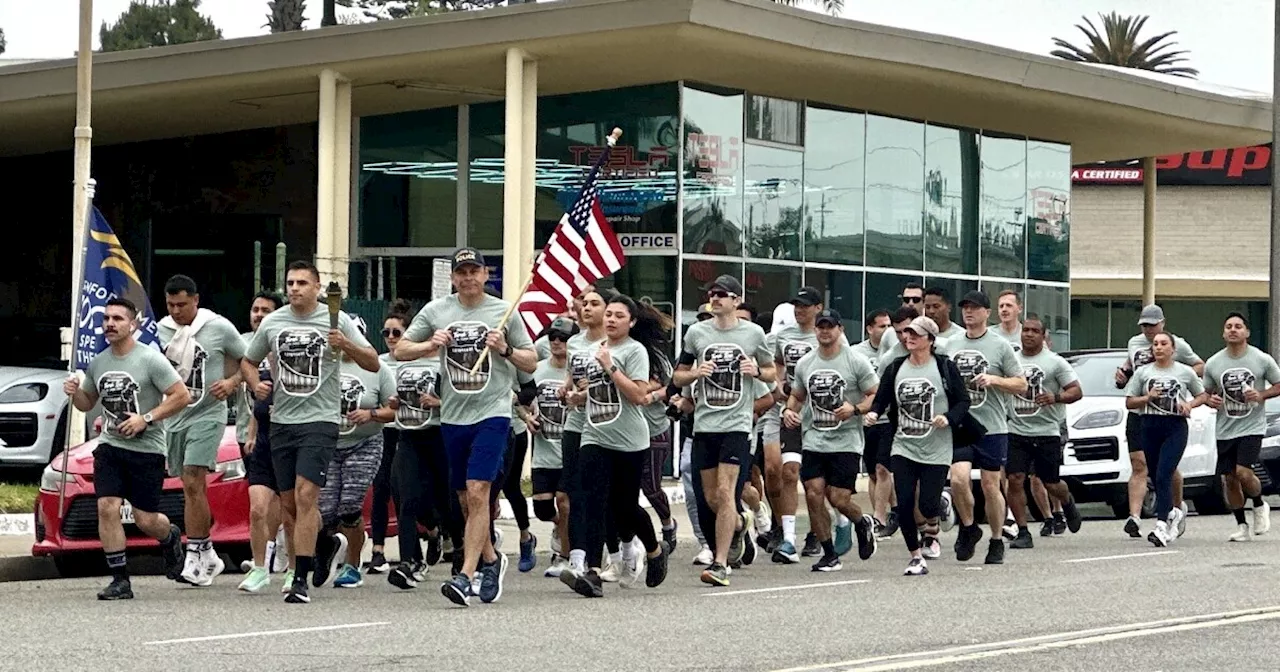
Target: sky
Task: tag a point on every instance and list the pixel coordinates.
(1230, 41)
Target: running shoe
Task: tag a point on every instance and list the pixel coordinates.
(1023, 540)
(828, 563)
(812, 548)
(555, 540)
(558, 564)
(297, 592)
(916, 567)
(587, 584)
(288, 581)
(1262, 518)
(1241, 533)
(457, 590)
(995, 551)
(716, 575)
(866, 537)
(497, 540)
(1046, 530)
(930, 548)
(378, 563)
(118, 589)
(749, 551)
(1059, 524)
(704, 557)
(433, 549)
(418, 570)
(1177, 522)
(213, 566)
(1131, 527)
(492, 577)
(172, 553)
(633, 569)
(246, 566)
(446, 550)
(737, 546)
(891, 525)
(669, 535)
(947, 519)
(331, 552)
(527, 558)
(967, 542)
(843, 537)
(1070, 517)
(348, 577)
(1010, 529)
(1160, 536)
(656, 572)
(257, 581)
(786, 554)
(192, 568)
(612, 571)
(402, 577)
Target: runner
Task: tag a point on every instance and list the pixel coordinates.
(304, 413)
(830, 386)
(992, 374)
(924, 397)
(138, 389)
(878, 440)
(205, 349)
(1239, 379)
(1035, 421)
(937, 307)
(518, 447)
(550, 501)
(1009, 309)
(475, 408)
(263, 498)
(1164, 392)
(1152, 323)
(659, 454)
(392, 330)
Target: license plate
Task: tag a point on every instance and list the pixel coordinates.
(126, 513)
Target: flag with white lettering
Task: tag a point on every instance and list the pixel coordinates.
(108, 274)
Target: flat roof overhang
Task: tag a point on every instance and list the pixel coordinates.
(582, 45)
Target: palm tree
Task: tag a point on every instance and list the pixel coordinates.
(1121, 47)
(832, 7)
(285, 15)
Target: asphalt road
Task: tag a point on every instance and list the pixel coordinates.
(1087, 601)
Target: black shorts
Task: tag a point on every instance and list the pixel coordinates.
(877, 446)
(129, 474)
(758, 459)
(302, 450)
(839, 470)
(712, 449)
(989, 454)
(259, 468)
(792, 439)
(1133, 432)
(1044, 452)
(1241, 451)
(546, 481)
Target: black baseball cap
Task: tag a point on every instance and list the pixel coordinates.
(467, 255)
(564, 326)
(807, 296)
(728, 283)
(977, 298)
(828, 315)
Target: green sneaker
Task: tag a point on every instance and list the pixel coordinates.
(288, 581)
(257, 580)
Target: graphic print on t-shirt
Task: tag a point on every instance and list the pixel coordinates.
(1143, 357)
(604, 405)
(826, 394)
(1165, 394)
(792, 352)
(352, 390)
(915, 406)
(119, 394)
(1235, 382)
(195, 378)
(462, 353)
(1025, 404)
(972, 364)
(551, 410)
(723, 388)
(414, 384)
(300, 351)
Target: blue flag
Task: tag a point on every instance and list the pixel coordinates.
(108, 273)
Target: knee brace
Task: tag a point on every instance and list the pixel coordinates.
(545, 509)
(353, 519)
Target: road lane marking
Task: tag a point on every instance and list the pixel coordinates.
(956, 654)
(268, 633)
(1120, 557)
(782, 588)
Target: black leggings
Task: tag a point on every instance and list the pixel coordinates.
(651, 479)
(907, 474)
(519, 446)
(611, 479)
(421, 473)
(571, 476)
(383, 491)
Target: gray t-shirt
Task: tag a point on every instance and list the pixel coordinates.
(1140, 355)
(215, 345)
(1166, 385)
(362, 389)
(920, 396)
(579, 349)
(1046, 373)
(416, 381)
(306, 385)
(133, 384)
(828, 384)
(1229, 377)
(723, 402)
(656, 414)
(543, 347)
(613, 421)
(552, 413)
(990, 354)
(953, 330)
(467, 398)
(244, 396)
(1014, 338)
(872, 355)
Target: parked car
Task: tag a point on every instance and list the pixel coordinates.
(72, 538)
(33, 415)
(1269, 459)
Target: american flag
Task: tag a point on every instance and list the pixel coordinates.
(582, 250)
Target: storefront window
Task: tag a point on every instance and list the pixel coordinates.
(775, 120)
(773, 203)
(1004, 206)
(1053, 305)
(956, 288)
(895, 193)
(768, 285)
(841, 291)
(713, 171)
(486, 149)
(834, 156)
(884, 290)
(1048, 219)
(951, 200)
(408, 179)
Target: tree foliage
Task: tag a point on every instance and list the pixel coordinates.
(2, 43)
(832, 7)
(399, 9)
(285, 15)
(157, 23)
(1118, 44)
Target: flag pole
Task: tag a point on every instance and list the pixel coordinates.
(75, 337)
(484, 354)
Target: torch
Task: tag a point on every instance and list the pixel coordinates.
(333, 299)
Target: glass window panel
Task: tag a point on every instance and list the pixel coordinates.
(651, 280)
(484, 186)
(774, 119)
(956, 288)
(712, 172)
(951, 200)
(835, 144)
(895, 193)
(1004, 212)
(1089, 323)
(1049, 201)
(841, 291)
(1053, 305)
(698, 273)
(408, 179)
(773, 201)
(768, 285)
(884, 290)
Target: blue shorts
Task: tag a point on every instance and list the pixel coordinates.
(475, 452)
(988, 454)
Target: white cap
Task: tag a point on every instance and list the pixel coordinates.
(783, 315)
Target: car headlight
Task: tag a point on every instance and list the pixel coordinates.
(231, 470)
(51, 479)
(1099, 419)
(24, 393)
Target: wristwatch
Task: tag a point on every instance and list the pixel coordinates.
(147, 418)
(613, 368)
(508, 351)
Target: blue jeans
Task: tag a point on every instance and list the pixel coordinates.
(1164, 439)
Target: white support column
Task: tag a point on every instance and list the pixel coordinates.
(341, 271)
(326, 156)
(1148, 231)
(529, 169)
(513, 264)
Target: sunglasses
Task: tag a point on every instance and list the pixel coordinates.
(912, 299)
(387, 333)
(557, 336)
(718, 294)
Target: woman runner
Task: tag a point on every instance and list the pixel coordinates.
(392, 329)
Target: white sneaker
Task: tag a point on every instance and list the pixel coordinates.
(1262, 518)
(558, 565)
(193, 568)
(1178, 521)
(246, 566)
(704, 557)
(612, 571)
(213, 566)
(1160, 536)
(947, 519)
(764, 518)
(555, 540)
(931, 550)
(1241, 533)
(497, 540)
(1010, 531)
(280, 562)
(633, 571)
(917, 567)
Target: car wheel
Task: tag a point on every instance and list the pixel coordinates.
(1120, 505)
(78, 565)
(1210, 504)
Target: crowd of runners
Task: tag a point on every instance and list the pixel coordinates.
(443, 423)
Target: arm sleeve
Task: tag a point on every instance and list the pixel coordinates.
(353, 334)
(517, 335)
(866, 375)
(232, 344)
(637, 365)
(1271, 373)
(1066, 375)
(90, 384)
(386, 384)
(687, 359)
(1009, 362)
(163, 375)
(258, 346)
(422, 325)
(1194, 383)
(1182, 352)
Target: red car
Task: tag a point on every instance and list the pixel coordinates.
(72, 539)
